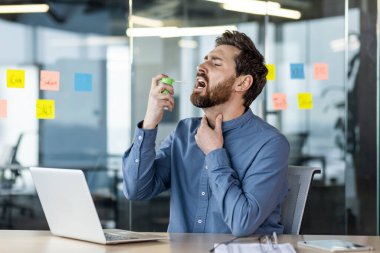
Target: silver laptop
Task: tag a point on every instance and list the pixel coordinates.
(70, 210)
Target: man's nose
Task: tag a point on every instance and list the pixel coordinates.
(201, 68)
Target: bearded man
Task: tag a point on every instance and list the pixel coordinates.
(226, 171)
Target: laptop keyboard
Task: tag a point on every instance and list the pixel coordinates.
(117, 237)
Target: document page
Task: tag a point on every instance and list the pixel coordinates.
(255, 248)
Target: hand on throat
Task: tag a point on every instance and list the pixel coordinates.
(212, 113)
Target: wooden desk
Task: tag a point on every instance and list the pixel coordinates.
(21, 241)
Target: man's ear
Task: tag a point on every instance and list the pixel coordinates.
(244, 83)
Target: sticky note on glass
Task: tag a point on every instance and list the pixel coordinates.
(271, 71)
(83, 82)
(49, 80)
(16, 78)
(305, 101)
(45, 109)
(279, 101)
(321, 71)
(3, 108)
(297, 71)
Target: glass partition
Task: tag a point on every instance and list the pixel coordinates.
(310, 74)
(311, 99)
(361, 89)
(89, 129)
(177, 55)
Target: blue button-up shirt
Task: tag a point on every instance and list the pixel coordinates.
(235, 189)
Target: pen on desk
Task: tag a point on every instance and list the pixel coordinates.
(275, 238)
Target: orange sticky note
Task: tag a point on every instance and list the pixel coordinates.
(3, 108)
(49, 80)
(321, 71)
(16, 78)
(279, 101)
(305, 101)
(45, 109)
(271, 71)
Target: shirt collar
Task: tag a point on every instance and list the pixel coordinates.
(237, 122)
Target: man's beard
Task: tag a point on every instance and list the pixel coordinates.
(216, 95)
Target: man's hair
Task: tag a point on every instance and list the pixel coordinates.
(248, 62)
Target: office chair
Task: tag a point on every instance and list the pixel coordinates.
(299, 179)
(10, 171)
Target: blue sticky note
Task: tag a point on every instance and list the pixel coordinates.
(83, 82)
(297, 71)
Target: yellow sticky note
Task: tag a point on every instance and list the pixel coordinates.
(3, 108)
(305, 101)
(279, 101)
(49, 80)
(45, 109)
(16, 78)
(271, 71)
(321, 71)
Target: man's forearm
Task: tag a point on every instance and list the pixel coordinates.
(138, 165)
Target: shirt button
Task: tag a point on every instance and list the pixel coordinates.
(199, 221)
(136, 160)
(206, 167)
(203, 193)
(140, 137)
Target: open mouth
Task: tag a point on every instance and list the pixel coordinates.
(200, 83)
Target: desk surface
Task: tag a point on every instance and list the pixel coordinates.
(17, 241)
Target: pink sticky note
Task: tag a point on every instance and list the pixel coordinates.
(321, 71)
(49, 80)
(279, 101)
(3, 108)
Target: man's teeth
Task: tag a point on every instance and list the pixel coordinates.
(201, 84)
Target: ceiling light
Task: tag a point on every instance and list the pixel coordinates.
(166, 32)
(340, 45)
(187, 44)
(250, 3)
(138, 20)
(150, 32)
(279, 12)
(23, 8)
(258, 8)
(285, 13)
(89, 41)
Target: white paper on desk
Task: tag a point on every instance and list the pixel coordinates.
(254, 248)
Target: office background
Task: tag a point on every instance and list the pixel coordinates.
(91, 130)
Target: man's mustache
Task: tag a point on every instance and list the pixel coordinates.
(203, 75)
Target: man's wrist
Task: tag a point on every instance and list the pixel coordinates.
(212, 149)
(218, 158)
(148, 125)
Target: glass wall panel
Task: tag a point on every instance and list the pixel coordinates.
(310, 73)
(90, 129)
(178, 56)
(316, 64)
(362, 67)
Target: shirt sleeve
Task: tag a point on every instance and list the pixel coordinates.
(246, 204)
(146, 173)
